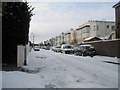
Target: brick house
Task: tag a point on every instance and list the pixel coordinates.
(117, 19)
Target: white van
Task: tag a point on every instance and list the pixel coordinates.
(67, 49)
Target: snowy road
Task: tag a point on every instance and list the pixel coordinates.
(57, 70)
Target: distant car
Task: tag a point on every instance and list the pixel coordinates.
(57, 48)
(85, 50)
(47, 47)
(36, 48)
(42, 47)
(67, 49)
(52, 48)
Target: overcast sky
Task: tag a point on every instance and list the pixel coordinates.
(53, 18)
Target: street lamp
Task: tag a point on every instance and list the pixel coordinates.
(33, 36)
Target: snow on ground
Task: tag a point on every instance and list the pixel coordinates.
(47, 69)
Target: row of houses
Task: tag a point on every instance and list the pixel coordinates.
(101, 29)
(91, 29)
(96, 29)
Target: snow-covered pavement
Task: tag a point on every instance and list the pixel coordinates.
(47, 69)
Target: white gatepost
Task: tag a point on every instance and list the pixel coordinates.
(20, 55)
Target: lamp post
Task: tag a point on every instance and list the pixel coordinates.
(33, 36)
(33, 39)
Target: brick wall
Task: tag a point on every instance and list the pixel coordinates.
(107, 48)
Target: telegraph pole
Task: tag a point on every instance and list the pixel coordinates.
(33, 40)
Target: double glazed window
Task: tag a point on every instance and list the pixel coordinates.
(85, 30)
(108, 26)
(113, 27)
(97, 27)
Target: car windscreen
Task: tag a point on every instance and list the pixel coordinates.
(92, 49)
(58, 47)
(36, 46)
(87, 47)
(68, 47)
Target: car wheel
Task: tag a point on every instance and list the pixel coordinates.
(91, 55)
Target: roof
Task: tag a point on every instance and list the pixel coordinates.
(116, 5)
(105, 37)
(83, 26)
(91, 38)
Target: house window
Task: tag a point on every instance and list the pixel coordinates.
(113, 27)
(85, 30)
(98, 35)
(108, 26)
(97, 27)
(94, 28)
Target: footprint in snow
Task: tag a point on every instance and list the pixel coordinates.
(50, 86)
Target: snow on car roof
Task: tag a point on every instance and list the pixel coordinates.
(86, 45)
(66, 45)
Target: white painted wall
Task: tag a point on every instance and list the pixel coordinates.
(99, 28)
(20, 55)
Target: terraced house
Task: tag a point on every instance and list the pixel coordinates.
(117, 18)
(101, 29)
(70, 37)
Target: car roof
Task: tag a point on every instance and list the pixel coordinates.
(67, 45)
(86, 45)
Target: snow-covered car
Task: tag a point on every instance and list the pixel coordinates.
(67, 49)
(36, 48)
(85, 50)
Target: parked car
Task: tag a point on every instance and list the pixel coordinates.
(47, 47)
(36, 48)
(57, 48)
(52, 48)
(42, 47)
(85, 50)
(67, 49)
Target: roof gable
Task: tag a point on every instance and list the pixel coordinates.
(116, 5)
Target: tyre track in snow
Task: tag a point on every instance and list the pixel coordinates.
(89, 68)
(58, 79)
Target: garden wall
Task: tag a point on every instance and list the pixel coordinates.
(107, 48)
